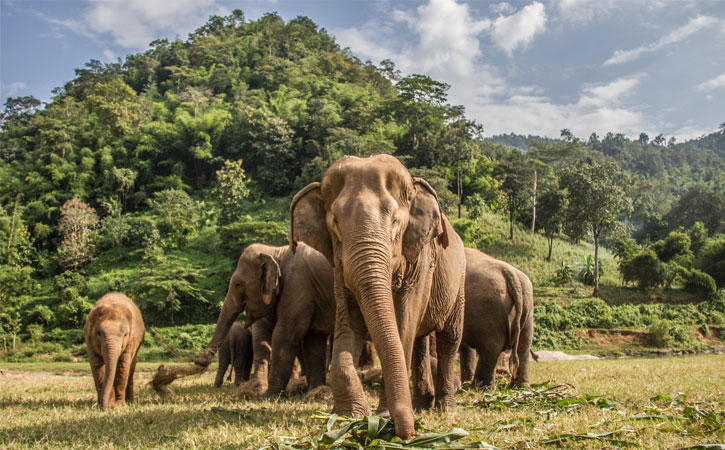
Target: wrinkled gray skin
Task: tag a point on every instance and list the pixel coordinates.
(399, 275)
(236, 350)
(290, 305)
(499, 316)
(114, 332)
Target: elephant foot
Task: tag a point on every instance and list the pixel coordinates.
(296, 386)
(519, 384)
(355, 410)
(447, 403)
(423, 402)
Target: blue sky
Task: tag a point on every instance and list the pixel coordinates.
(524, 67)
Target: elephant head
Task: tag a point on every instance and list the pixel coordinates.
(371, 220)
(253, 286)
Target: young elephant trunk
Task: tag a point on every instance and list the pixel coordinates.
(111, 353)
(375, 297)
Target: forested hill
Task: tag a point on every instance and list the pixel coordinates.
(194, 147)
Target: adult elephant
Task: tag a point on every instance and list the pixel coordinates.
(289, 301)
(499, 316)
(399, 275)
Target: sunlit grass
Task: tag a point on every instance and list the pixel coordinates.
(51, 405)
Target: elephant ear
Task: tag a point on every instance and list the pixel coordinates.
(270, 278)
(307, 221)
(425, 221)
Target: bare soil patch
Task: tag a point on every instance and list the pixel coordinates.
(608, 338)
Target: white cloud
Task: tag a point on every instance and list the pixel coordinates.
(12, 89)
(133, 24)
(510, 32)
(608, 94)
(714, 83)
(583, 12)
(501, 8)
(693, 26)
(109, 54)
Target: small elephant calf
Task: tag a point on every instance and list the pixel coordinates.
(114, 331)
(236, 349)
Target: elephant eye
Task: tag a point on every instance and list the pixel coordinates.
(237, 284)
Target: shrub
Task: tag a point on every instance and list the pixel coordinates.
(712, 260)
(586, 274)
(237, 236)
(141, 229)
(664, 333)
(35, 332)
(564, 275)
(467, 230)
(676, 243)
(643, 268)
(700, 283)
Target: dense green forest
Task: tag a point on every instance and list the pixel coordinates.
(150, 175)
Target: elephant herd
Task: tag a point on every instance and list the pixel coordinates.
(371, 257)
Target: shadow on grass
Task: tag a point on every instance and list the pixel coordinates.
(149, 422)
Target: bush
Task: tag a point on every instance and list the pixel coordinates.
(35, 332)
(141, 230)
(664, 333)
(564, 275)
(712, 260)
(643, 268)
(237, 236)
(467, 230)
(676, 243)
(700, 283)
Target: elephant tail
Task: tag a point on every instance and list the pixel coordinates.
(515, 291)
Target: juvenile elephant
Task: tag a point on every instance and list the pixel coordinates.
(114, 332)
(399, 275)
(236, 349)
(289, 301)
(499, 316)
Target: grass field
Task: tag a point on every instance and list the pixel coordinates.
(51, 405)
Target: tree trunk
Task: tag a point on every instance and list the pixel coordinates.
(460, 190)
(596, 263)
(12, 230)
(533, 201)
(551, 243)
(511, 225)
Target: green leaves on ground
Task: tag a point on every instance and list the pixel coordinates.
(549, 398)
(378, 433)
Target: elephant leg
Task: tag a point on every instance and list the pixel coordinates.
(423, 387)
(486, 368)
(223, 364)
(448, 339)
(468, 362)
(98, 370)
(247, 357)
(121, 381)
(262, 347)
(521, 377)
(129, 384)
(349, 338)
(367, 358)
(315, 349)
(285, 346)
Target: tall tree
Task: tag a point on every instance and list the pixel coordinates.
(596, 199)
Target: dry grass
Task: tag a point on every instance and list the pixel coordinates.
(49, 410)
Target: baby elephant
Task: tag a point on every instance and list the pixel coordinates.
(236, 349)
(114, 331)
(499, 315)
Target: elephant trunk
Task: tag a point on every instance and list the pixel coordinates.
(371, 278)
(111, 354)
(229, 313)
